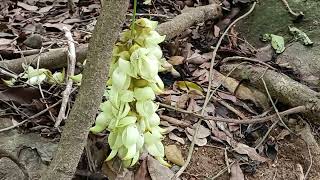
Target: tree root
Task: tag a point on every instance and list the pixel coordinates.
(281, 87)
(57, 58)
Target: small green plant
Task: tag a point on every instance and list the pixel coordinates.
(33, 76)
(129, 113)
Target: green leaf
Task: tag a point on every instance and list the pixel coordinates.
(190, 86)
(301, 36)
(277, 42)
(77, 78)
(37, 79)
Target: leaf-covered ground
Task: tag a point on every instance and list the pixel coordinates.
(224, 150)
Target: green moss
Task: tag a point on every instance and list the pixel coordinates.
(271, 16)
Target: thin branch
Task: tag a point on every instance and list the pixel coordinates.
(295, 110)
(207, 99)
(31, 117)
(240, 58)
(311, 162)
(70, 72)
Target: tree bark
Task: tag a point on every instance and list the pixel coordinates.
(83, 113)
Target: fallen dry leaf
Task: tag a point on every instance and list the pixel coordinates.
(58, 26)
(197, 58)
(201, 135)
(227, 96)
(173, 154)
(27, 6)
(282, 134)
(142, 173)
(189, 87)
(236, 172)
(182, 101)
(45, 9)
(174, 137)
(176, 60)
(251, 152)
(158, 171)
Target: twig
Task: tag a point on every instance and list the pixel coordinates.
(146, 14)
(70, 72)
(227, 160)
(175, 121)
(295, 110)
(207, 99)
(276, 122)
(4, 153)
(311, 162)
(239, 58)
(222, 171)
(296, 15)
(229, 107)
(274, 106)
(31, 117)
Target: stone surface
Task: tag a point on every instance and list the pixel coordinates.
(271, 16)
(34, 41)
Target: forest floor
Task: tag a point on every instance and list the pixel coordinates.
(223, 150)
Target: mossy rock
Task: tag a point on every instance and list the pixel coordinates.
(271, 16)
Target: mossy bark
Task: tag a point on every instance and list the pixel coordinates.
(83, 113)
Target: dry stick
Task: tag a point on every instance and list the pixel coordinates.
(70, 72)
(295, 110)
(239, 58)
(285, 2)
(208, 91)
(31, 117)
(222, 171)
(276, 122)
(4, 153)
(311, 162)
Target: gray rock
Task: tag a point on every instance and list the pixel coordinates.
(34, 41)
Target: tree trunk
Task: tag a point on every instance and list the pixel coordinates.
(82, 116)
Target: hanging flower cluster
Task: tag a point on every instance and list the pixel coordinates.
(130, 111)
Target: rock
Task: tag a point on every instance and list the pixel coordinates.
(158, 171)
(271, 16)
(304, 61)
(34, 41)
(173, 154)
